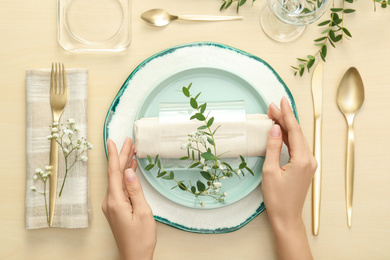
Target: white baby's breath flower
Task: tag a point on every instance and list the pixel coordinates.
(49, 137)
(33, 188)
(216, 191)
(68, 132)
(76, 128)
(225, 194)
(45, 175)
(203, 204)
(238, 172)
(84, 158)
(202, 161)
(66, 141)
(38, 170)
(183, 146)
(217, 184)
(66, 151)
(55, 124)
(55, 135)
(48, 168)
(89, 146)
(222, 167)
(207, 192)
(54, 130)
(223, 178)
(221, 199)
(204, 138)
(205, 168)
(71, 121)
(35, 177)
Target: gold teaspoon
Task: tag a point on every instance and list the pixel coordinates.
(350, 97)
(159, 17)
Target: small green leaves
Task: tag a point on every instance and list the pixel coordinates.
(208, 156)
(206, 175)
(182, 186)
(193, 103)
(227, 3)
(210, 122)
(186, 92)
(200, 185)
(149, 167)
(334, 33)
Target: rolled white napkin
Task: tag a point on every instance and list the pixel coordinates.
(246, 138)
(73, 207)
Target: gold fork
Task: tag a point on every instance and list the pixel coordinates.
(58, 97)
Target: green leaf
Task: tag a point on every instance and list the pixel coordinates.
(202, 127)
(189, 86)
(210, 141)
(201, 186)
(184, 158)
(242, 165)
(300, 59)
(156, 159)
(332, 35)
(324, 23)
(324, 50)
(193, 103)
(159, 164)
(199, 116)
(173, 186)
(208, 156)
(206, 175)
(242, 159)
(149, 158)
(161, 174)
(194, 164)
(193, 189)
(222, 6)
(310, 64)
(182, 186)
(210, 122)
(320, 39)
(336, 9)
(149, 167)
(249, 170)
(338, 38)
(186, 92)
(216, 129)
(242, 2)
(196, 97)
(347, 32)
(311, 57)
(348, 11)
(203, 108)
(228, 4)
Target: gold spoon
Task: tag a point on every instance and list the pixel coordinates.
(159, 17)
(350, 97)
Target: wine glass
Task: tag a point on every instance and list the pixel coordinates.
(285, 20)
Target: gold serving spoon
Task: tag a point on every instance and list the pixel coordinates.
(350, 97)
(159, 17)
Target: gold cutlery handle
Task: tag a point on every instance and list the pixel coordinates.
(316, 182)
(53, 179)
(208, 17)
(349, 173)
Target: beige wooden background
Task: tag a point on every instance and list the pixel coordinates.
(28, 40)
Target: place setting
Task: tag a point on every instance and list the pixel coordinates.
(203, 97)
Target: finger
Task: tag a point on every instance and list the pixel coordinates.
(125, 154)
(114, 173)
(297, 142)
(133, 164)
(276, 114)
(274, 146)
(134, 189)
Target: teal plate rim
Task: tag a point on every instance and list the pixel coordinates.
(124, 86)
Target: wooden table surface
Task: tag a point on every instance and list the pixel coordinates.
(29, 40)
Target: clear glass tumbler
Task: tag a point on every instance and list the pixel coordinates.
(94, 25)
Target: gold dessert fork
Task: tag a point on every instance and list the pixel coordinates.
(58, 97)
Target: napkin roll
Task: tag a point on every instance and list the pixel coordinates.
(233, 138)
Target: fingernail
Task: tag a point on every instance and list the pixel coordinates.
(130, 175)
(275, 131)
(285, 100)
(108, 142)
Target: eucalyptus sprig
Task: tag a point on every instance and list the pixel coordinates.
(227, 3)
(202, 154)
(334, 32)
(383, 3)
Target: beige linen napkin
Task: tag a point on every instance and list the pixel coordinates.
(73, 207)
(152, 138)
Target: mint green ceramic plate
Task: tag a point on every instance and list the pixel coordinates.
(244, 75)
(215, 85)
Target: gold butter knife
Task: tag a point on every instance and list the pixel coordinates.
(58, 97)
(316, 90)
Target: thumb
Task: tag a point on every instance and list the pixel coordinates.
(134, 190)
(274, 146)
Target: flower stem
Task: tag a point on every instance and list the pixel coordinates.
(44, 195)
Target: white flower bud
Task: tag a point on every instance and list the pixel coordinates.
(35, 177)
(49, 137)
(66, 151)
(238, 172)
(202, 204)
(183, 146)
(67, 141)
(89, 146)
(217, 184)
(207, 192)
(55, 135)
(71, 121)
(48, 168)
(54, 130)
(202, 161)
(225, 194)
(33, 188)
(38, 170)
(205, 168)
(84, 158)
(216, 191)
(55, 124)
(68, 132)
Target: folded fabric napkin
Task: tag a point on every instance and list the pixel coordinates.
(234, 138)
(73, 207)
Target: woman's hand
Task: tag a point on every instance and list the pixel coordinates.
(129, 215)
(285, 188)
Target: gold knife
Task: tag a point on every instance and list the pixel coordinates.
(316, 90)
